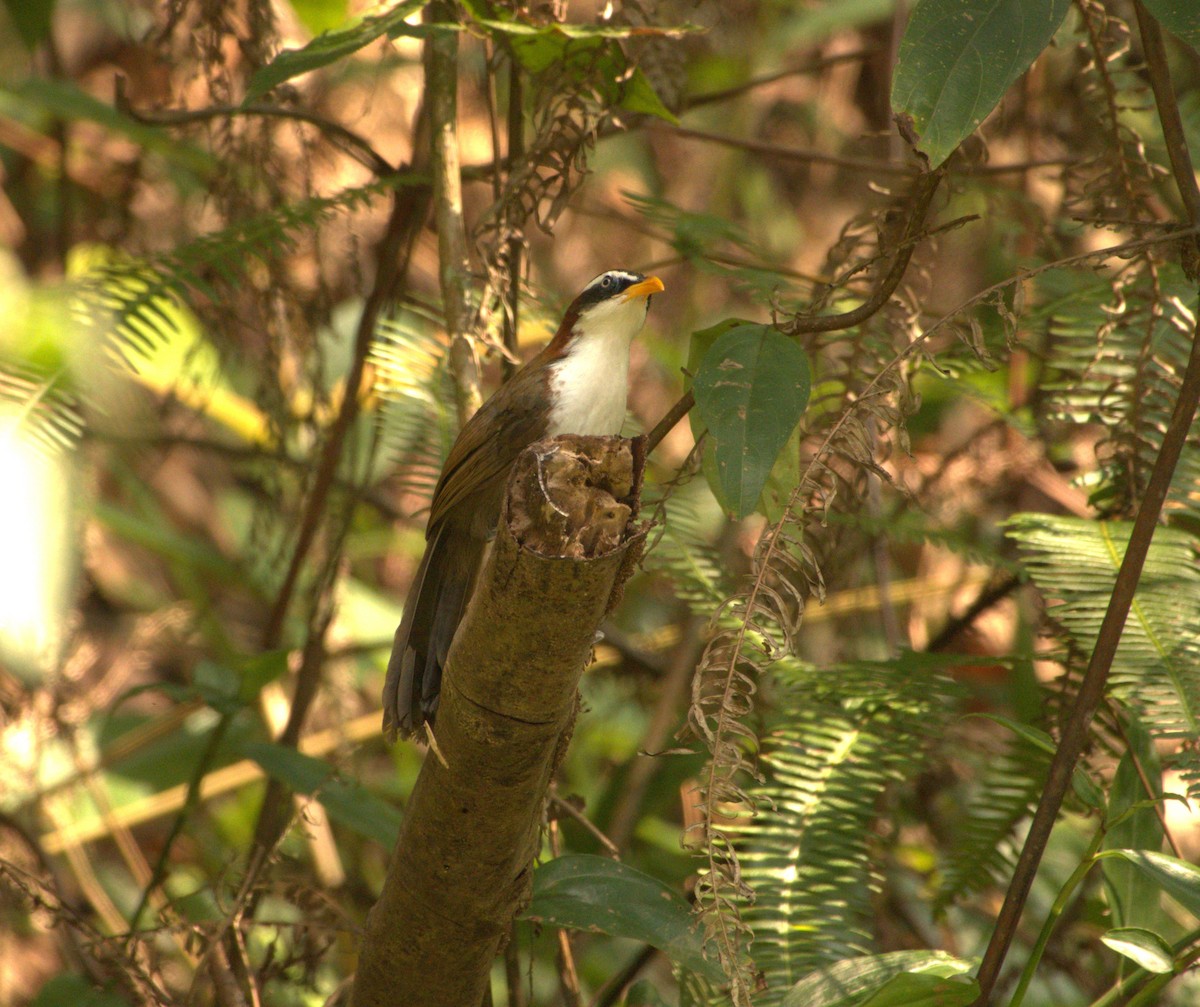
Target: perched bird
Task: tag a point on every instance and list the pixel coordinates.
(576, 385)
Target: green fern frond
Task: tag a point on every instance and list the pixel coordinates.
(416, 421)
(683, 553)
(38, 407)
(984, 851)
(842, 737)
(1156, 670)
(1116, 352)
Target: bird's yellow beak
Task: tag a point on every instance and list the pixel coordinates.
(650, 285)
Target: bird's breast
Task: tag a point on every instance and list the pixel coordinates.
(589, 388)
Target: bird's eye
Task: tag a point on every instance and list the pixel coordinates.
(606, 282)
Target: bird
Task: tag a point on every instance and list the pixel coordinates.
(577, 384)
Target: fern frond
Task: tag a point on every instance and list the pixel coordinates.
(38, 407)
(1156, 670)
(840, 738)
(684, 554)
(416, 422)
(984, 850)
(1117, 350)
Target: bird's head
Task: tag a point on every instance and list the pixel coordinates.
(613, 307)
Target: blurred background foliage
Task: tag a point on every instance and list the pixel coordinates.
(221, 427)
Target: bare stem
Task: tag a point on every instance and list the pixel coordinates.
(1091, 690)
(441, 76)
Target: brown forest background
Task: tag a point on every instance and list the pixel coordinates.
(180, 619)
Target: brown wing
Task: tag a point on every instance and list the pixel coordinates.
(479, 458)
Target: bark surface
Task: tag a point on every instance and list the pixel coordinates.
(462, 866)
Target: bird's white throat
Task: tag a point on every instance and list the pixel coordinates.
(589, 386)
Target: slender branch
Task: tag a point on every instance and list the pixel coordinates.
(989, 596)
(812, 66)
(667, 423)
(803, 155)
(1091, 690)
(344, 139)
(441, 76)
(1168, 111)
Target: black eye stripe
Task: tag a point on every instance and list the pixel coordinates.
(607, 285)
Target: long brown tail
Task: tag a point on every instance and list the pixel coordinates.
(435, 604)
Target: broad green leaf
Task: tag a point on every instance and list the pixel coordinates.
(586, 892)
(701, 342)
(1134, 898)
(31, 18)
(347, 803)
(330, 47)
(751, 390)
(958, 57)
(917, 990)
(1177, 878)
(1181, 17)
(855, 982)
(1144, 948)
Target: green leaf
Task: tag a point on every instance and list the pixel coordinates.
(958, 57)
(320, 15)
(255, 672)
(1144, 948)
(31, 18)
(1134, 898)
(925, 991)
(1177, 878)
(593, 893)
(330, 47)
(67, 101)
(701, 342)
(751, 391)
(644, 994)
(348, 803)
(924, 977)
(639, 96)
(76, 991)
(1181, 17)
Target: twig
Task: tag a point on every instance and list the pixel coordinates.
(345, 139)
(568, 975)
(612, 990)
(512, 968)
(711, 97)
(391, 263)
(789, 153)
(662, 720)
(989, 596)
(562, 804)
(516, 246)
(1152, 794)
